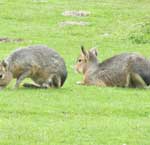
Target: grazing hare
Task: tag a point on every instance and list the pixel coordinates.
(38, 62)
(123, 70)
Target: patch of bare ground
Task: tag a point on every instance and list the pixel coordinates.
(76, 13)
(5, 40)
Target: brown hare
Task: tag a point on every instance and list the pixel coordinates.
(40, 63)
(123, 70)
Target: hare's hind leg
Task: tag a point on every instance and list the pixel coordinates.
(54, 81)
(137, 81)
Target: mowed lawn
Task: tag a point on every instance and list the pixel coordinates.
(75, 115)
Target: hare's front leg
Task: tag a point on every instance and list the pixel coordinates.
(1, 88)
(30, 85)
(21, 78)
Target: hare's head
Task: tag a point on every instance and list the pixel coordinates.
(5, 76)
(2, 70)
(86, 59)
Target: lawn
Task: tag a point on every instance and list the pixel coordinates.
(75, 115)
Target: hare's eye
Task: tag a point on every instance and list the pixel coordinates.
(1, 75)
(79, 60)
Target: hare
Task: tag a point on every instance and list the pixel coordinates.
(38, 62)
(123, 70)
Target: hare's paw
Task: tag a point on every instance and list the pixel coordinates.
(79, 83)
(147, 87)
(45, 86)
(1, 88)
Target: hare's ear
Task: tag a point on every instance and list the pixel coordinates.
(83, 51)
(94, 51)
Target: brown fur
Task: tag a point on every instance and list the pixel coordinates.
(40, 63)
(114, 72)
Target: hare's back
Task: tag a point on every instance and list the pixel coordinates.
(35, 55)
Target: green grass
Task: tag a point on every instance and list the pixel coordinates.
(75, 115)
